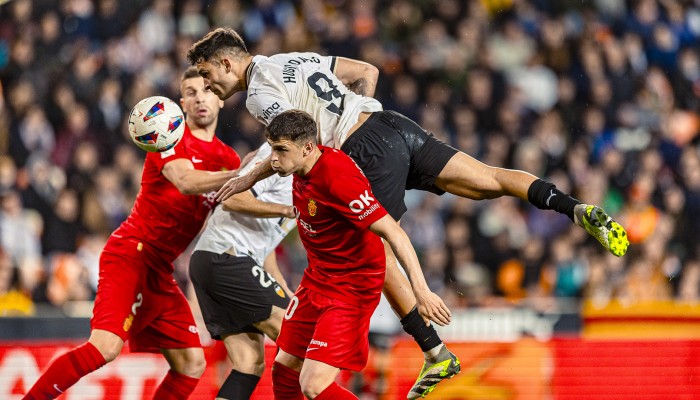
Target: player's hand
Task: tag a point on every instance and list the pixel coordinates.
(289, 212)
(237, 184)
(432, 308)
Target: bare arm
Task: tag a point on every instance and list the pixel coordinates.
(188, 180)
(239, 184)
(358, 76)
(248, 204)
(270, 265)
(430, 306)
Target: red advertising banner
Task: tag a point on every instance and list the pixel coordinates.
(132, 376)
(559, 369)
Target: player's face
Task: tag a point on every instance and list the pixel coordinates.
(218, 77)
(199, 104)
(287, 157)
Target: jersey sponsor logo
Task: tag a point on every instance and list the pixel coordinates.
(357, 206)
(317, 344)
(308, 229)
(313, 208)
(209, 199)
(271, 111)
(167, 153)
(368, 211)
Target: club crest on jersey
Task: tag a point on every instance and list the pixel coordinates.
(128, 321)
(279, 291)
(312, 207)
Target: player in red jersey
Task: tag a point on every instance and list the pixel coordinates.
(341, 225)
(137, 297)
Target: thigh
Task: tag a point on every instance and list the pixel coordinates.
(234, 293)
(298, 324)
(271, 326)
(340, 338)
(168, 322)
(120, 289)
(246, 352)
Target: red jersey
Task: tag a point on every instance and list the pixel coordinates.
(162, 217)
(335, 206)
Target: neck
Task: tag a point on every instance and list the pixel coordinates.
(247, 64)
(205, 133)
(310, 161)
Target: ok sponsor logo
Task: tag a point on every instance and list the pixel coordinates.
(365, 205)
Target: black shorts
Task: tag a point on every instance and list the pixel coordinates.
(396, 155)
(233, 292)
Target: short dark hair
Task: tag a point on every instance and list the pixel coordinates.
(217, 41)
(294, 125)
(190, 72)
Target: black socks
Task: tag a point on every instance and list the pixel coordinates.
(545, 196)
(238, 386)
(425, 336)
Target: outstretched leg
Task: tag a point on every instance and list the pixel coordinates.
(467, 177)
(439, 363)
(67, 369)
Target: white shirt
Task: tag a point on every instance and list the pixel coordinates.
(305, 81)
(246, 235)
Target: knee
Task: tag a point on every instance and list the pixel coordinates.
(311, 387)
(196, 365)
(190, 363)
(249, 363)
(108, 344)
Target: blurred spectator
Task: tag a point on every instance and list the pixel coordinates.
(13, 300)
(601, 98)
(68, 281)
(20, 232)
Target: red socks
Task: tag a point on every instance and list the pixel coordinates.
(65, 371)
(335, 392)
(285, 383)
(175, 386)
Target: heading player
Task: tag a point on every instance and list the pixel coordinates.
(340, 223)
(137, 297)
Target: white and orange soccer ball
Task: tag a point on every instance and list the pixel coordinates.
(156, 123)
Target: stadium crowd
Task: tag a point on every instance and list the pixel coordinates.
(600, 97)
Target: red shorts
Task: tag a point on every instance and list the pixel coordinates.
(139, 301)
(326, 330)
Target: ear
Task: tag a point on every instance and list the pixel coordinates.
(227, 64)
(308, 148)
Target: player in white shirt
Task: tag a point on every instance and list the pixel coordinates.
(395, 154)
(239, 287)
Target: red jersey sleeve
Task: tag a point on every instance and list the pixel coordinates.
(354, 199)
(162, 158)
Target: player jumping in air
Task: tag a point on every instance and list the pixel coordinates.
(137, 297)
(393, 151)
(340, 223)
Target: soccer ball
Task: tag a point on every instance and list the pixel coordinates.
(156, 124)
